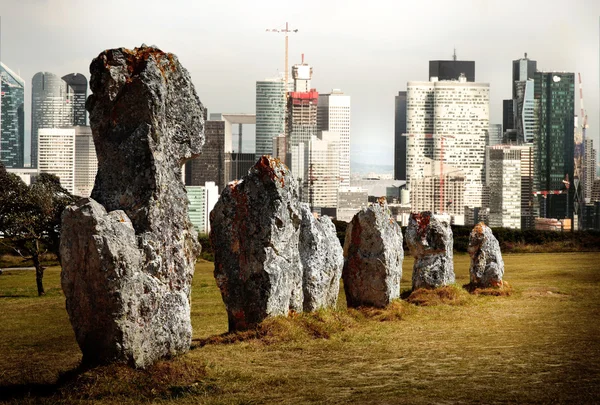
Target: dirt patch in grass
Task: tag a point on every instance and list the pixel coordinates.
(297, 326)
(550, 292)
(165, 379)
(447, 295)
(395, 311)
(504, 290)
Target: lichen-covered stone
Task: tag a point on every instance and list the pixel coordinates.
(255, 229)
(128, 253)
(322, 260)
(373, 256)
(487, 266)
(430, 240)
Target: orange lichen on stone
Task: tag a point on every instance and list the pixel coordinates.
(381, 201)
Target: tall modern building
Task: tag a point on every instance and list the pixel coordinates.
(523, 69)
(12, 118)
(77, 86)
(211, 164)
(494, 135)
(69, 153)
(270, 113)
(555, 93)
(333, 115)
(448, 121)
(399, 138)
(505, 186)
(589, 168)
(322, 182)
(51, 107)
(451, 69)
(202, 200)
(301, 118)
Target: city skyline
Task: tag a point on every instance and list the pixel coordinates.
(370, 54)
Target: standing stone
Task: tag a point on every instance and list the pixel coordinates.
(429, 239)
(322, 260)
(128, 253)
(255, 229)
(487, 266)
(373, 257)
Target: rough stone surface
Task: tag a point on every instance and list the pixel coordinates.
(255, 229)
(373, 257)
(430, 240)
(487, 266)
(322, 260)
(128, 253)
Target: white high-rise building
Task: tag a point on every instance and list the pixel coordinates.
(333, 114)
(589, 168)
(448, 121)
(505, 186)
(322, 168)
(202, 200)
(70, 154)
(270, 114)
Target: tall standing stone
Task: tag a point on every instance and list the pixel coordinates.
(128, 253)
(255, 229)
(373, 257)
(430, 241)
(487, 266)
(322, 261)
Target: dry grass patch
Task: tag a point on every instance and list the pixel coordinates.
(504, 290)
(395, 311)
(447, 295)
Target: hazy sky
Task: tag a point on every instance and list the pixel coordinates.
(369, 49)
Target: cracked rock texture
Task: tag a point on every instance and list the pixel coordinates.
(373, 257)
(430, 240)
(322, 260)
(255, 229)
(487, 266)
(128, 253)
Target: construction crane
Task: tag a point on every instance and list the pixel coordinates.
(442, 169)
(285, 31)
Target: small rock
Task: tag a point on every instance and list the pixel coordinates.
(322, 261)
(429, 239)
(373, 257)
(487, 266)
(255, 229)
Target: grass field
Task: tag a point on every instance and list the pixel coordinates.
(539, 345)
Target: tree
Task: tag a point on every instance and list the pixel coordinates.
(30, 216)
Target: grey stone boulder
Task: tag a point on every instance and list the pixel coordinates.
(128, 253)
(487, 266)
(373, 256)
(255, 229)
(430, 241)
(322, 261)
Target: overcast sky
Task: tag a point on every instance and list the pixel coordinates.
(369, 49)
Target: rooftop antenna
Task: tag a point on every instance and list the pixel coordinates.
(303, 59)
(454, 55)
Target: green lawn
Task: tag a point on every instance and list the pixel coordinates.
(540, 345)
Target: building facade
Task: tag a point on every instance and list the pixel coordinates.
(399, 136)
(77, 86)
(51, 107)
(12, 118)
(201, 201)
(333, 114)
(555, 92)
(86, 161)
(505, 187)
(211, 164)
(350, 201)
(451, 70)
(270, 113)
(322, 181)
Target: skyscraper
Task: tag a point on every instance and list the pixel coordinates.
(448, 121)
(211, 164)
(77, 86)
(451, 69)
(523, 69)
(555, 92)
(51, 107)
(270, 114)
(505, 186)
(12, 129)
(399, 138)
(323, 171)
(333, 115)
